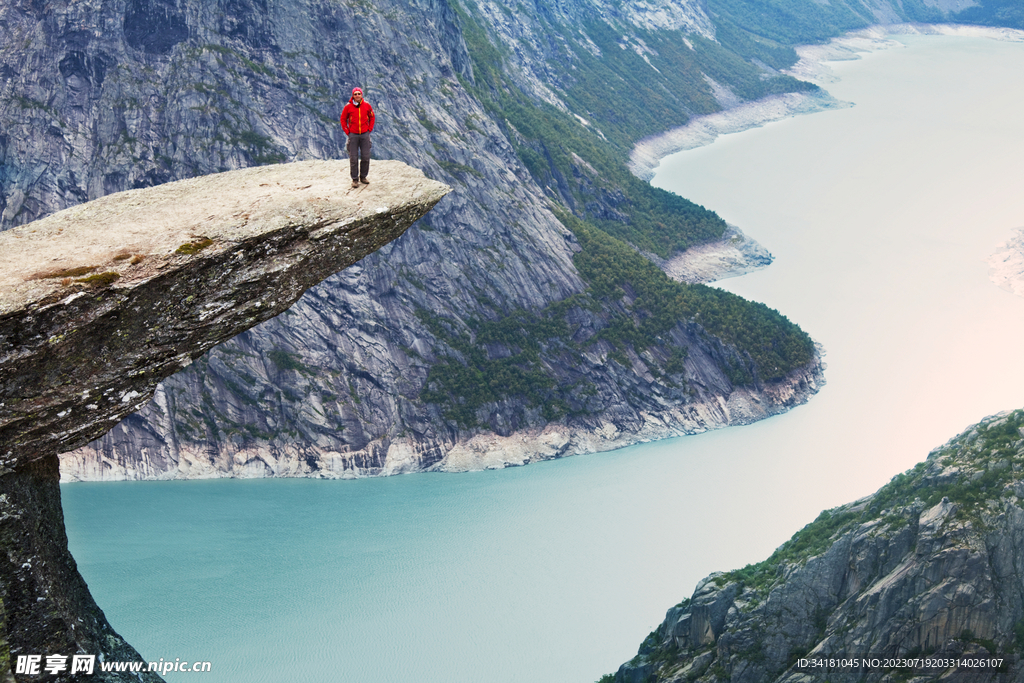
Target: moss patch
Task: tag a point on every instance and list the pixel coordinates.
(99, 279)
(194, 247)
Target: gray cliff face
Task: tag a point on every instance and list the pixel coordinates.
(112, 95)
(117, 95)
(100, 302)
(930, 565)
(108, 95)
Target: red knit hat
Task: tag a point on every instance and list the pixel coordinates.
(357, 90)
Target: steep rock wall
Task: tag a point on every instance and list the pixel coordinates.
(929, 566)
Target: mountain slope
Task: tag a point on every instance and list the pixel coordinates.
(127, 94)
(927, 567)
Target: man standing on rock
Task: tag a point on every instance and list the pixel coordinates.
(357, 122)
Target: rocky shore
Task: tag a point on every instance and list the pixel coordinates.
(485, 450)
(742, 406)
(734, 255)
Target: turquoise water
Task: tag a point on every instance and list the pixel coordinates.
(880, 217)
(549, 572)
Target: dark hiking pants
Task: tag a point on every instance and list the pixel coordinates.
(359, 145)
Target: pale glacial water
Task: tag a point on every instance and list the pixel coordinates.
(880, 217)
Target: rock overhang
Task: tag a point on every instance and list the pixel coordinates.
(100, 302)
(163, 226)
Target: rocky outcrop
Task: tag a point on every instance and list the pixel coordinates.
(1006, 265)
(930, 566)
(733, 255)
(100, 302)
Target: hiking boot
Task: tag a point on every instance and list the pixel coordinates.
(364, 181)
(355, 183)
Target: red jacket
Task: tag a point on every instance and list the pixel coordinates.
(357, 119)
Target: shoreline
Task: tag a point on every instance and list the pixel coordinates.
(484, 451)
(812, 66)
(647, 154)
(743, 406)
(738, 254)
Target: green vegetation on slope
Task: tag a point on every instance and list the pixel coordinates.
(988, 457)
(656, 81)
(994, 13)
(608, 209)
(773, 343)
(464, 386)
(750, 45)
(766, 29)
(790, 22)
(578, 167)
(768, 344)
